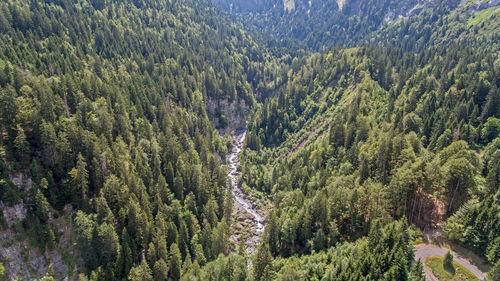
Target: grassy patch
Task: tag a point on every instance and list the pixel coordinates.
(482, 16)
(456, 273)
(418, 241)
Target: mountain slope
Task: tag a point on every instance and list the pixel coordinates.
(112, 167)
(367, 135)
(322, 23)
(319, 24)
(104, 112)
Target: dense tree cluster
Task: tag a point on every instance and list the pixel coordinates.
(103, 109)
(102, 106)
(477, 226)
(385, 254)
(372, 134)
(320, 24)
(437, 27)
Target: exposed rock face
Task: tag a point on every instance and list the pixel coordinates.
(289, 5)
(234, 112)
(13, 214)
(21, 182)
(24, 261)
(341, 4)
(479, 5)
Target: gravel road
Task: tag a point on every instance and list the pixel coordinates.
(427, 250)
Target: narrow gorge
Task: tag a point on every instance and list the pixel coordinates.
(249, 221)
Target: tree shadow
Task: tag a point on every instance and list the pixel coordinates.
(449, 268)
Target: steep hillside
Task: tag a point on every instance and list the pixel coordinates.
(114, 161)
(468, 25)
(368, 135)
(104, 112)
(322, 23)
(319, 24)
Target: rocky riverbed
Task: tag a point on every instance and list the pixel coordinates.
(248, 220)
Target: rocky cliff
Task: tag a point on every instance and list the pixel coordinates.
(24, 261)
(227, 115)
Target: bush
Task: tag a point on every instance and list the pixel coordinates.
(2, 272)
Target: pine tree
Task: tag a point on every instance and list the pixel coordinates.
(242, 249)
(8, 109)
(494, 273)
(187, 265)
(178, 188)
(107, 243)
(160, 270)
(417, 272)
(125, 262)
(42, 206)
(80, 177)
(262, 263)
(448, 260)
(22, 146)
(141, 272)
(175, 263)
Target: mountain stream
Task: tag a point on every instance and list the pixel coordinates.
(249, 222)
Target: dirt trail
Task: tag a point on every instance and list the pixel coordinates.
(249, 222)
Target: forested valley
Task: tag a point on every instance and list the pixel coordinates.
(368, 125)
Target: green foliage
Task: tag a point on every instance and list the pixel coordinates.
(103, 104)
(491, 130)
(482, 16)
(492, 164)
(21, 145)
(42, 207)
(366, 135)
(417, 272)
(494, 273)
(262, 263)
(160, 270)
(335, 170)
(49, 275)
(477, 226)
(224, 268)
(386, 258)
(316, 24)
(3, 272)
(140, 272)
(453, 272)
(175, 262)
(448, 260)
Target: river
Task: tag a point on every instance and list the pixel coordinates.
(245, 211)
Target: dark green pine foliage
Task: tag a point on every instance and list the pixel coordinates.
(102, 105)
(323, 24)
(371, 134)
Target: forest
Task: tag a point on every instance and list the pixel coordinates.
(362, 133)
